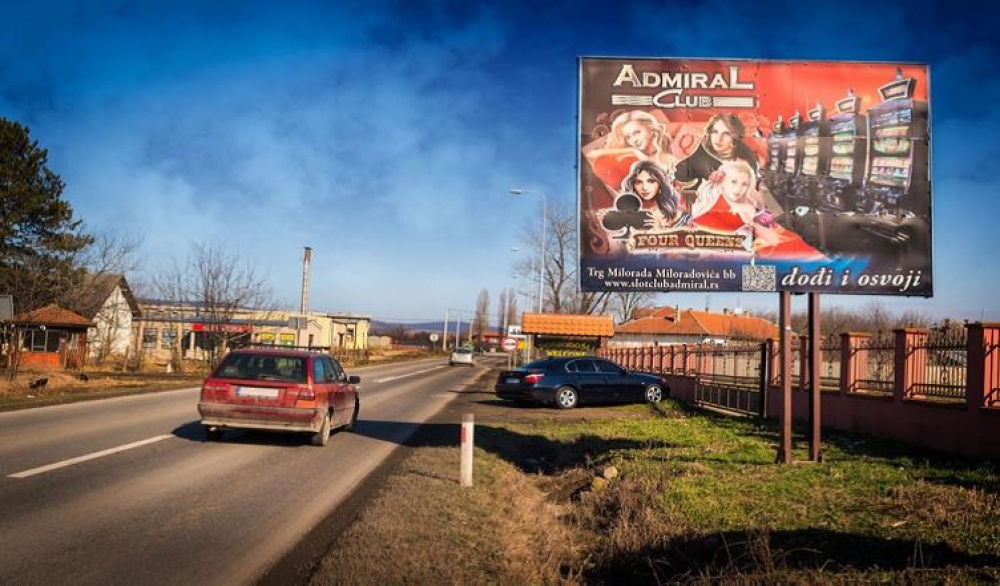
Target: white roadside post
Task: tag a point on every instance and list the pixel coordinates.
(468, 440)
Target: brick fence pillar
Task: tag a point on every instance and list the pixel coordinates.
(853, 360)
(983, 363)
(910, 363)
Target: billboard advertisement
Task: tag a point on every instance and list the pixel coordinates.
(737, 175)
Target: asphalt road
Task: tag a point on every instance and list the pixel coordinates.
(127, 490)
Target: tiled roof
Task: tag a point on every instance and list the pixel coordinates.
(95, 290)
(52, 315)
(736, 326)
(660, 312)
(703, 323)
(567, 325)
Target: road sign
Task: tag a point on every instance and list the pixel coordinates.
(509, 344)
(433, 337)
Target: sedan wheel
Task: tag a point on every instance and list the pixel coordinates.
(566, 397)
(321, 437)
(654, 394)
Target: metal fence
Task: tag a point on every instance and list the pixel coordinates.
(945, 372)
(830, 356)
(873, 362)
(933, 366)
(732, 376)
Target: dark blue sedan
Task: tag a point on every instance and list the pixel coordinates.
(568, 382)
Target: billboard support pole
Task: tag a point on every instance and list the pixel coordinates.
(785, 325)
(815, 418)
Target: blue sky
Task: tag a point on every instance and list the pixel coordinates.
(386, 135)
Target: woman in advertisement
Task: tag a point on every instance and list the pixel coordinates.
(728, 202)
(724, 139)
(659, 197)
(635, 135)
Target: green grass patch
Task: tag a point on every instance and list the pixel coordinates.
(700, 495)
(672, 495)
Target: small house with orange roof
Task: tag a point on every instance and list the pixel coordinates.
(560, 334)
(51, 337)
(669, 325)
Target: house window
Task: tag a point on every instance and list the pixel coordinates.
(287, 339)
(267, 338)
(149, 337)
(39, 340)
(169, 339)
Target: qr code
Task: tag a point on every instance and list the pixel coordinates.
(759, 278)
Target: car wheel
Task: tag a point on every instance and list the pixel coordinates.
(354, 416)
(566, 397)
(213, 434)
(654, 394)
(321, 437)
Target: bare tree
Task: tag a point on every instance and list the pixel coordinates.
(502, 312)
(112, 252)
(220, 285)
(627, 303)
(873, 317)
(561, 291)
(481, 321)
(512, 307)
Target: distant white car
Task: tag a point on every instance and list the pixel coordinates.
(461, 356)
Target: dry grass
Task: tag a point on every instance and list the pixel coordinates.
(697, 500)
(423, 528)
(66, 387)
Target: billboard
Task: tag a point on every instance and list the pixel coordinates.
(738, 175)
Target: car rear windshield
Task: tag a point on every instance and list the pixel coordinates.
(256, 367)
(463, 351)
(537, 365)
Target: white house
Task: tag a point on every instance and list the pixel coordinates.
(107, 301)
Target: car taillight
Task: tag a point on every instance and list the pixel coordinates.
(533, 378)
(306, 394)
(214, 390)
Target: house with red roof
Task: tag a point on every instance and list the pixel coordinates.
(51, 337)
(670, 325)
(561, 334)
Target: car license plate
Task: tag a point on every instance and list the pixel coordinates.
(513, 380)
(257, 392)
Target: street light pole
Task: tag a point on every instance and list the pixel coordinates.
(541, 258)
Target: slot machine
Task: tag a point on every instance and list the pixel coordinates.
(814, 140)
(840, 199)
(896, 180)
(796, 200)
(774, 165)
(849, 143)
(895, 196)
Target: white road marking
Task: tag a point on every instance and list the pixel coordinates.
(387, 379)
(84, 458)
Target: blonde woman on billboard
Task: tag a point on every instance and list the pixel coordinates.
(634, 135)
(728, 202)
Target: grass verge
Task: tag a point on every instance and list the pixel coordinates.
(667, 494)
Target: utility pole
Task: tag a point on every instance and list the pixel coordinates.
(444, 334)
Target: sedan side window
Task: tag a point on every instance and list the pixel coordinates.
(608, 367)
(319, 371)
(585, 366)
(337, 373)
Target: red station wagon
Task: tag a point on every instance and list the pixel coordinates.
(279, 390)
